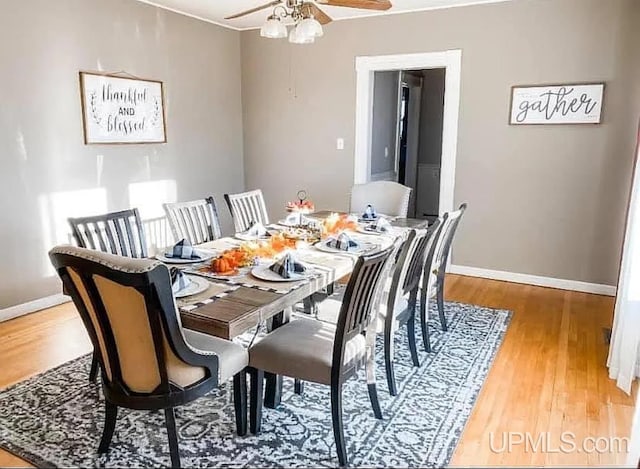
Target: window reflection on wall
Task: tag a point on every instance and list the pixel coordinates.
(56, 207)
(148, 197)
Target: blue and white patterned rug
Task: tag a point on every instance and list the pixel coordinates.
(55, 419)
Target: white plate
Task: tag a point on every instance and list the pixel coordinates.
(263, 272)
(248, 237)
(204, 256)
(362, 247)
(196, 285)
(361, 229)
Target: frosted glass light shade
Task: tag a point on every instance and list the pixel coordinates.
(273, 29)
(310, 27)
(296, 38)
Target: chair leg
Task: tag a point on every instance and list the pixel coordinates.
(298, 386)
(172, 432)
(94, 368)
(373, 397)
(336, 418)
(440, 300)
(411, 335)
(388, 362)
(110, 416)
(255, 400)
(424, 320)
(240, 402)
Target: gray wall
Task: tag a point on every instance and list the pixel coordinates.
(44, 163)
(545, 200)
(384, 121)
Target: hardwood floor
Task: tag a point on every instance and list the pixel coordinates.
(549, 378)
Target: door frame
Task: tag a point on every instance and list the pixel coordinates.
(451, 60)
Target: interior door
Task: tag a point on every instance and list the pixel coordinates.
(414, 84)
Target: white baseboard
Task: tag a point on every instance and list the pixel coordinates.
(32, 306)
(550, 282)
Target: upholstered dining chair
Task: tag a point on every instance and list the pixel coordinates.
(120, 233)
(435, 267)
(387, 197)
(196, 221)
(148, 360)
(247, 208)
(324, 353)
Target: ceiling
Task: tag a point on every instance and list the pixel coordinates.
(214, 11)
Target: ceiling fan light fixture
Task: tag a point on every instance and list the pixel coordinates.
(273, 28)
(296, 38)
(310, 27)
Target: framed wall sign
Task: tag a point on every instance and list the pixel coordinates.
(557, 104)
(117, 109)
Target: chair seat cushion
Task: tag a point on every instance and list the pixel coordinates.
(303, 349)
(232, 358)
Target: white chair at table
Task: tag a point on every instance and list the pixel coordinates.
(247, 208)
(434, 271)
(196, 221)
(387, 197)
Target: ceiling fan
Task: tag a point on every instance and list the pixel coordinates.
(307, 16)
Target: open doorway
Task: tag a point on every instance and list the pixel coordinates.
(406, 142)
(413, 140)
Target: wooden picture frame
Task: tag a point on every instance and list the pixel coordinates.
(557, 104)
(121, 109)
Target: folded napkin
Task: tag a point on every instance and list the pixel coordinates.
(342, 242)
(178, 280)
(296, 219)
(183, 250)
(256, 229)
(369, 213)
(288, 267)
(381, 225)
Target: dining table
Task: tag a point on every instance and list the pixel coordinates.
(231, 306)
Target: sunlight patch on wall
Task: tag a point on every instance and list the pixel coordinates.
(56, 207)
(149, 196)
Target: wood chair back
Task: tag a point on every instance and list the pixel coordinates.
(119, 233)
(196, 221)
(442, 248)
(361, 297)
(128, 309)
(247, 208)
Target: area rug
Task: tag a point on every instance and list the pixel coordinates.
(55, 419)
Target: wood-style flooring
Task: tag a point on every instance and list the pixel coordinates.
(549, 378)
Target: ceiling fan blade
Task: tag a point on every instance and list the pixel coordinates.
(363, 4)
(318, 14)
(253, 10)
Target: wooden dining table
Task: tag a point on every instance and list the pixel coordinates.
(232, 306)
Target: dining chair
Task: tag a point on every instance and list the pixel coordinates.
(118, 233)
(324, 353)
(387, 197)
(196, 221)
(435, 267)
(247, 208)
(148, 361)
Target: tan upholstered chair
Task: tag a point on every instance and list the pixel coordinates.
(196, 221)
(435, 268)
(148, 360)
(387, 197)
(247, 208)
(120, 233)
(323, 353)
